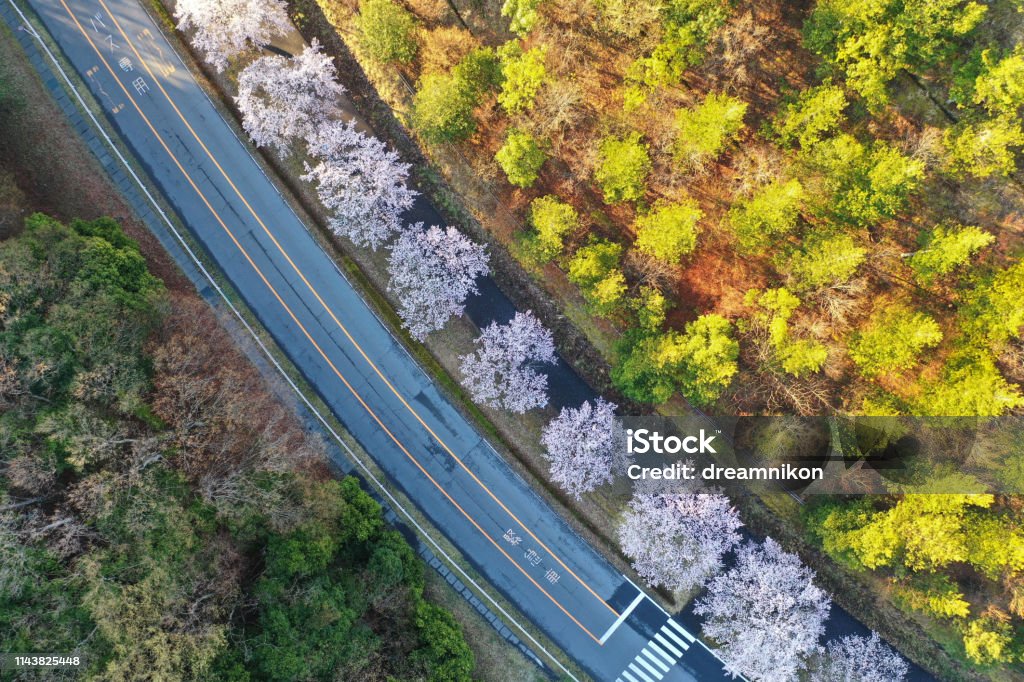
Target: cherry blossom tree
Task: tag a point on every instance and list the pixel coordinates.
(223, 29)
(282, 99)
(765, 612)
(580, 445)
(502, 372)
(360, 181)
(678, 539)
(432, 272)
(859, 659)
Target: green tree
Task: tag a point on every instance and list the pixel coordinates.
(943, 250)
(824, 260)
(521, 158)
(594, 268)
(893, 340)
(986, 147)
(994, 81)
(686, 27)
(798, 357)
(552, 221)
(816, 112)
(934, 594)
(989, 640)
(523, 74)
(700, 363)
(651, 307)
(522, 15)
(443, 109)
(479, 72)
(994, 310)
(864, 185)
(622, 168)
(773, 211)
(445, 653)
(871, 42)
(703, 131)
(669, 231)
(387, 31)
(921, 531)
(970, 385)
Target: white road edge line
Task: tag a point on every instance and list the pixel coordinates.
(625, 614)
(259, 342)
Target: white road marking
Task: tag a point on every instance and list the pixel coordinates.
(657, 661)
(682, 630)
(661, 652)
(668, 645)
(640, 673)
(622, 618)
(675, 638)
(630, 678)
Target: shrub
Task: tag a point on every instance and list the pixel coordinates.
(520, 158)
(623, 167)
(387, 31)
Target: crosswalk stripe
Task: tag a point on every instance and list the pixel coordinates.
(639, 659)
(661, 652)
(641, 673)
(625, 673)
(675, 638)
(682, 630)
(669, 646)
(655, 659)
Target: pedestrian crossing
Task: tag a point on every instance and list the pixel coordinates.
(660, 654)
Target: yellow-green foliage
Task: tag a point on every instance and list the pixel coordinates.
(669, 231)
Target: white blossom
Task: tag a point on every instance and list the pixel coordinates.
(765, 613)
(502, 372)
(859, 659)
(677, 540)
(282, 99)
(432, 272)
(580, 445)
(360, 181)
(223, 29)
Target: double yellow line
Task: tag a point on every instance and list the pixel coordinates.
(330, 312)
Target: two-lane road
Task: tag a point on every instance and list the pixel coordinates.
(370, 382)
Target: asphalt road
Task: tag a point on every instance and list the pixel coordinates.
(522, 546)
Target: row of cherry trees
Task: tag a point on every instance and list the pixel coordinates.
(765, 612)
(290, 105)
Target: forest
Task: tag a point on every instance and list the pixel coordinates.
(762, 208)
(768, 208)
(161, 512)
(772, 209)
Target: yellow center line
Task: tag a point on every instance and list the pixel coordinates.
(345, 331)
(306, 333)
